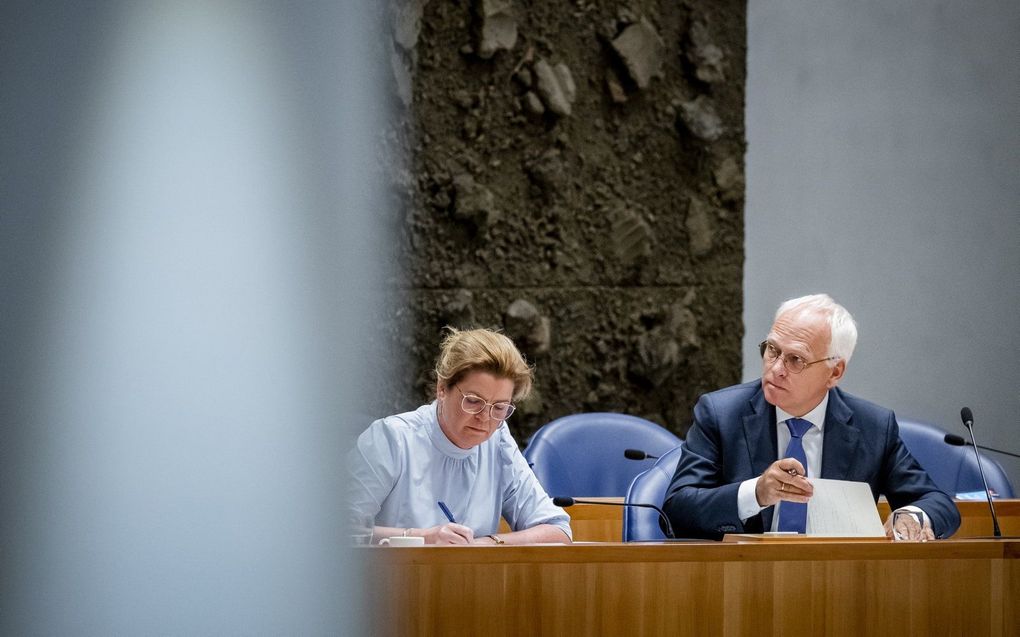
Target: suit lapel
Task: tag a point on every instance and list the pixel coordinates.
(840, 440)
(760, 437)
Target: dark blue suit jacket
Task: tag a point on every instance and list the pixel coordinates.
(733, 438)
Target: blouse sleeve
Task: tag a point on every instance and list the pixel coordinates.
(525, 502)
(374, 465)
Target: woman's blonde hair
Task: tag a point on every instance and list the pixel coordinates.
(482, 350)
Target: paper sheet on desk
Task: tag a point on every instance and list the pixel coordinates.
(844, 509)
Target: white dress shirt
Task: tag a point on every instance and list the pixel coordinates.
(747, 500)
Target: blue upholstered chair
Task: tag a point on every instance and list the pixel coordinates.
(954, 469)
(582, 455)
(641, 524)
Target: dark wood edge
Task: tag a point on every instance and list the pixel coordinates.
(694, 552)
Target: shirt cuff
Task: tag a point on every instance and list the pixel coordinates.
(747, 500)
(925, 520)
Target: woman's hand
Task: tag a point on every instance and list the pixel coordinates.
(448, 534)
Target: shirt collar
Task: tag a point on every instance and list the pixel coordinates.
(816, 416)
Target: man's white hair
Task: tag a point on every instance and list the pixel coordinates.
(842, 328)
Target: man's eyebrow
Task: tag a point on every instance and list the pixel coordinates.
(796, 350)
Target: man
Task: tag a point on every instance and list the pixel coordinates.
(733, 470)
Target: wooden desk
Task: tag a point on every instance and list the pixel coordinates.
(595, 523)
(592, 522)
(951, 587)
(976, 520)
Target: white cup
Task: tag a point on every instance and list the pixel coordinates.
(401, 540)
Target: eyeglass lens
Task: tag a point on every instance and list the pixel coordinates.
(792, 362)
(497, 411)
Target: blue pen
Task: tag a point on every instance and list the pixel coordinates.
(446, 511)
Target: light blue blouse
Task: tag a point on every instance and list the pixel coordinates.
(404, 464)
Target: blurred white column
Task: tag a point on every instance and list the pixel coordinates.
(194, 250)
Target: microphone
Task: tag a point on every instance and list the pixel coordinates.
(968, 421)
(562, 501)
(637, 454)
(953, 439)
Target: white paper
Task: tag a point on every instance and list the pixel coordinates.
(842, 509)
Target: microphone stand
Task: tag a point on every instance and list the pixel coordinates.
(958, 441)
(561, 501)
(968, 422)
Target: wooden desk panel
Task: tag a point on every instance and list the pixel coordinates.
(969, 587)
(592, 522)
(976, 520)
(599, 523)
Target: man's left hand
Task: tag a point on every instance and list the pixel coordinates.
(908, 525)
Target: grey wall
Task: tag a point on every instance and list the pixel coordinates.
(883, 167)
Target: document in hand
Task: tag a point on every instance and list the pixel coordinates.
(842, 509)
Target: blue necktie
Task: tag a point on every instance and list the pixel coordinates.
(793, 515)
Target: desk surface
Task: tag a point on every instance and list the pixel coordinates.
(780, 549)
(760, 588)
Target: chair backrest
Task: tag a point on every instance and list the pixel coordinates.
(954, 469)
(582, 455)
(641, 524)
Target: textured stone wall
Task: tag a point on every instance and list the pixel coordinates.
(575, 178)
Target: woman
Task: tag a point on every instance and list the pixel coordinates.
(458, 451)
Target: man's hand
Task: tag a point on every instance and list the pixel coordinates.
(783, 480)
(908, 525)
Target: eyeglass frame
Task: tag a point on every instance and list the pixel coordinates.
(511, 407)
(781, 355)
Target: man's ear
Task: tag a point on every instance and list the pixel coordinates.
(835, 373)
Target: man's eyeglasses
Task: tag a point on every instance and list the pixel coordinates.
(793, 363)
(474, 405)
